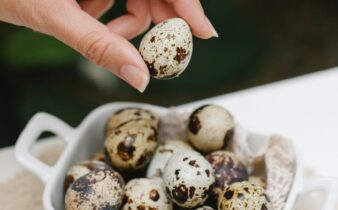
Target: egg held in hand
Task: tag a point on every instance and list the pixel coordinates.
(167, 48)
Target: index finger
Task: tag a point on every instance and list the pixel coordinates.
(192, 12)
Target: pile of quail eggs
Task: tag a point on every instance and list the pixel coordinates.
(138, 171)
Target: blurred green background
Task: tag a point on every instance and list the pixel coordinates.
(260, 42)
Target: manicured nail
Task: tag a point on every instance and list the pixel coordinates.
(212, 28)
(134, 76)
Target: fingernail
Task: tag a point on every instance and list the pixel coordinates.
(134, 76)
(212, 28)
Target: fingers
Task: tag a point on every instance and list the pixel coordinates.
(135, 22)
(96, 8)
(94, 40)
(161, 10)
(192, 12)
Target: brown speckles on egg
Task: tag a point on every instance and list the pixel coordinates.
(207, 171)
(264, 207)
(80, 169)
(194, 123)
(154, 195)
(192, 190)
(228, 194)
(125, 149)
(181, 54)
(193, 163)
(210, 128)
(244, 195)
(167, 48)
(133, 146)
(185, 178)
(228, 169)
(68, 181)
(122, 116)
(180, 193)
(152, 70)
(148, 194)
(177, 173)
(99, 189)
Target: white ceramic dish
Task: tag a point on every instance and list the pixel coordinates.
(83, 141)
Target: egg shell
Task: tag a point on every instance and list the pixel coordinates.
(81, 169)
(162, 155)
(244, 195)
(228, 169)
(260, 181)
(205, 208)
(210, 128)
(167, 48)
(188, 178)
(144, 193)
(99, 189)
(130, 113)
(131, 145)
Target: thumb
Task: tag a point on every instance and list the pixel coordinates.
(97, 43)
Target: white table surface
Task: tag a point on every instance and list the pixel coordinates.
(304, 109)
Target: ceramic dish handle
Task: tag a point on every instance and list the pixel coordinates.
(36, 126)
(329, 186)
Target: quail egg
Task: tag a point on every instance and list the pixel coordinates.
(127, 114)
(228, 169)
(260, 181)
(143, 193)
(210, 128)
(99, 189)
(205, 208)
(167, 48)
(244, 195)
(83, 168)
(130, 145)
(188, 178)
(162, 155)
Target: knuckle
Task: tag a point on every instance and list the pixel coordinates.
(94, 46)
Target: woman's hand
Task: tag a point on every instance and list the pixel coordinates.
(74, 23)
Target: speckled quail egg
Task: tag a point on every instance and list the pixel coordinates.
(99, 189)
(167, 48)
(144, 193)
(260, 181)
(244, 195)
(210, 128)
(131, 145)
(205, 208)
(83, 168)
(162, 155)
(188, 178)
(131, 113)
(228, 169)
